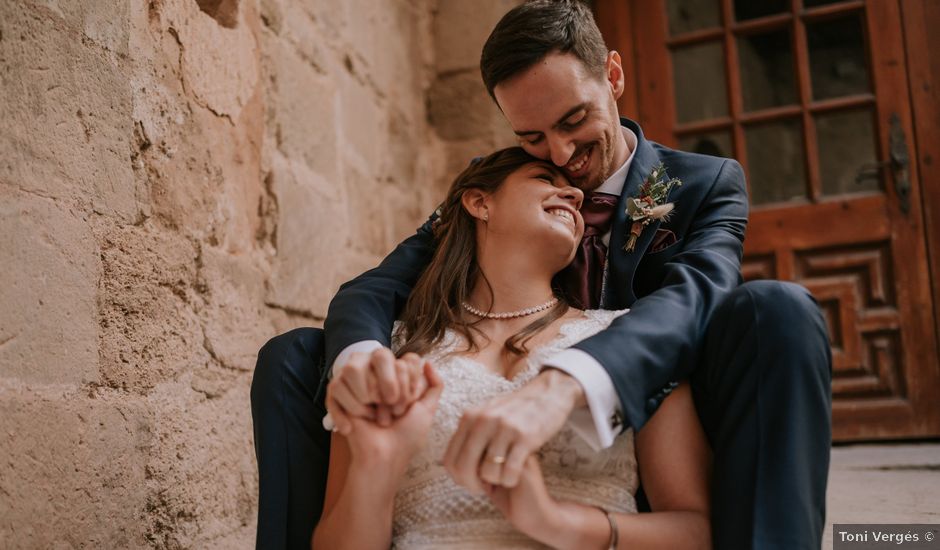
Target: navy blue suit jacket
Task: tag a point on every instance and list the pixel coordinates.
(671, 292)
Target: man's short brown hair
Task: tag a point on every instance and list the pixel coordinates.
(534, 29)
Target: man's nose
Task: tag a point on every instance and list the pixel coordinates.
(560, 150)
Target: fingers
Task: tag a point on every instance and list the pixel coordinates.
(404, 384)
(343, 395)
(432, 395)
(383, 415)
(466, 464)
(409, 369)
(355, 374)
(494, 461)
(338, 417)
(383, 367)
(342, 406)
(515, 463)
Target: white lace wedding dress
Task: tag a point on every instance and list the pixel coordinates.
(431, 511)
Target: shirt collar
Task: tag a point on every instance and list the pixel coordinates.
(614, 184)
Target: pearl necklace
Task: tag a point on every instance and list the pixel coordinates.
(509, 314)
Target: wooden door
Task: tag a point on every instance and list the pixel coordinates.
(811, 96)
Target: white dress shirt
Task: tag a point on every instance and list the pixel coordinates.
(599, 422)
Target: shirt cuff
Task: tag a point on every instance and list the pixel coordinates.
(364, 346)
(600, 422)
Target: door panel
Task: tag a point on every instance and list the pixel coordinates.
(811, 97)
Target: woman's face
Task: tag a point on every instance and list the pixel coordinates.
(538, 207)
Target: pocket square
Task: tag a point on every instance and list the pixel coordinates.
(661, 240)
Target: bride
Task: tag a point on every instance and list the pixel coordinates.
(482, 316)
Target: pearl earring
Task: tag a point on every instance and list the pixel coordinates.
(486, 216)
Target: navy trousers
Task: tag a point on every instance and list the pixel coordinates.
(762, 391)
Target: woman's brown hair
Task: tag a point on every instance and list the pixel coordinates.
(435, 302)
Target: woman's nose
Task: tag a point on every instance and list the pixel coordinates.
(573, 195)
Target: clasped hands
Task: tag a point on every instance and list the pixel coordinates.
(493, 449)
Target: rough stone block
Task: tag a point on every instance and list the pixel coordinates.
(363, 120)
(73, 473)
(460, 30)
(302, 109)
(203, 472)
(397, 54)
(290, 23)
(102, 21)
(235, 322)
(311, 235)
(235, 154)
(400, 163)
(459, 107)
(48, 310)
(66, 110)
(220, 65)
(369, 211)
(149, 293)
(406, 213)
(356, 263)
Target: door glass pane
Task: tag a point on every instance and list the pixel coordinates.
(847, 152)
(716, 144)
(775, 161)
(749, 9)
(692, 15)
(699, 77)
(814, 3)
(837, 57)
(767, 74)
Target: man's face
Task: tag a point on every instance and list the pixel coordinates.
(566, 115)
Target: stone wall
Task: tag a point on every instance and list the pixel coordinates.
(179, 181)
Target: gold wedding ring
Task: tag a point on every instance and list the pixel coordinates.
(498, 459)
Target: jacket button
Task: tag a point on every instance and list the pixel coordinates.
(651, 404)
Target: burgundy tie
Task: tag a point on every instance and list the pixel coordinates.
(584, 277)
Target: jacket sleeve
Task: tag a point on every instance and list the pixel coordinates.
(659, 341)
(366, 307)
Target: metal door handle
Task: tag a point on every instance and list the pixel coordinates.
(900, 161)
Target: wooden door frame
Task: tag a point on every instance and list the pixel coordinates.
(628, 25)
(923, 63)
(615, 19)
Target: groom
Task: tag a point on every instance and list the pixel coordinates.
(756, 354)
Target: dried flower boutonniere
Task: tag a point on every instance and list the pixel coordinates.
(650, 205)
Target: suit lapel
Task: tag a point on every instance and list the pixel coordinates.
(623, 264)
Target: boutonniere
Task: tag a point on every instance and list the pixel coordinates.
(650, 204)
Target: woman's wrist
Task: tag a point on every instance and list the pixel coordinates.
(578, 526)
(385, 471)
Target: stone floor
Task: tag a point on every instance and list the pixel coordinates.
(885, 483)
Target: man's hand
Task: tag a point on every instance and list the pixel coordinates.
(493, 441)
(375, 386)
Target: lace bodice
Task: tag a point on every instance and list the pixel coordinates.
(431, 511)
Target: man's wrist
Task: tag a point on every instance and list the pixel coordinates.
(567, 384)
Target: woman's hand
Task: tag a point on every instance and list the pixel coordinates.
(374, 386)
(527, 506)
(394, 445)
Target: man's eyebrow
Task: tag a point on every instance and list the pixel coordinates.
(561, 120)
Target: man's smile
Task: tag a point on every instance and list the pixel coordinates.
(578, 166)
